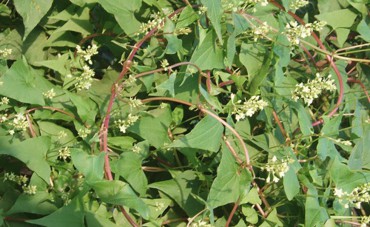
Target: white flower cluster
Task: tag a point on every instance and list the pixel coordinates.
(260, 31)
(355, 197)
(5, 53)
(19, 123)
(21, 179)
(313, 88)
(201, 223)
(4, 101)
(50, 94)
(296, 4)
(156, 22)
(164, 64)
(276, 169)
(84, 132)
(136, 149)
(182, 31)
(233, 6)
(134, 103)
(62, 134)
(64, 153)
(295, 32)
(29, 189)
(159, 206)
(3, 118)
(365, 220)
(248, 108)
(88, 53)
(262, 2)
(344, 142)
(85, 80)
(124, 124)
(202, 9)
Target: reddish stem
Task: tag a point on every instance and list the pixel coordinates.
(105, 126)
(208, 81)
(236, 204)
(277, 120)
(353, 80)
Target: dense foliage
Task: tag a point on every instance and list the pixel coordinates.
(184, 113)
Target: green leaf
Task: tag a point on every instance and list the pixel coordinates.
(303, 118)
(152, 129)
(206, 135)
(86, 108)
(251, 197)
(180, 188)
(315, 214)
(364, 29)
(272, 220)
(91, 166)
(326, 146)
(251, 214)
(208, 55)
(360, 155)
(251, 56)
(343, 18)
(346, 179)
(119, 193)
(214, 13)
(59, 218)
(31, 152)
(123, 11)
(95, 220)
(53, 131)
(168, 85)
(187, 17)
(129, 167)
(32, 12)
(40, 203)
(21, 78)
(123, 142)
(59, 65)
(231, 181)
(212, 100)
(291, 184)
(262, 74)
(174, 44)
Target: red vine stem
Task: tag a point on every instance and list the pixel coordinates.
(277, 120)
(236, 204)
(105, 125)
(328, 57)
(353, 80)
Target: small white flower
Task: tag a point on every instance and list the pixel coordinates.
(4, 101)
(296, 4)
(64, 153)
(313, 88)
(136, 149)
(248, 108)
(84, 132)
(5, 53)
(88, 53)
(164, 64)
(124, 124)
(62, 134)
(30, 189)
(49, 94)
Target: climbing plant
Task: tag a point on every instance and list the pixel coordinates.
(184, 113)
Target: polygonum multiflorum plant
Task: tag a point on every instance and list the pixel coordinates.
(184, 113)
